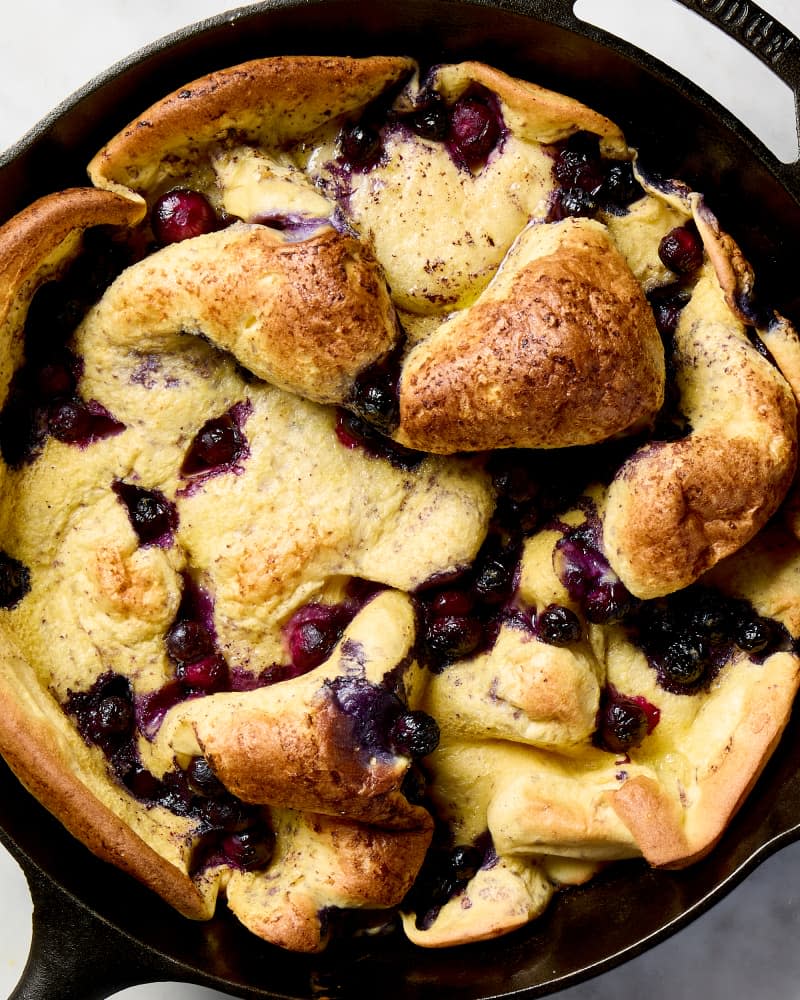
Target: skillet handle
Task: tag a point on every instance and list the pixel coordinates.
(768, 40)
(75, 955)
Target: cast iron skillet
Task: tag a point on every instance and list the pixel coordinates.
(95, 931)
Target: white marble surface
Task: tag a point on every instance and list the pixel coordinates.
(746, 947)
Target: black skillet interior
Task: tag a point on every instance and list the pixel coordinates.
(95, 931)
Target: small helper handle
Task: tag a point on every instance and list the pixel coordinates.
(767, 39)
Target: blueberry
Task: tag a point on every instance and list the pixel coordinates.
(451, 637)
(494, 577)
(709, 614)
(580, 155)
(249, 849)
(313, 631)
(181, 214)
(684, 660)
(623, 726)
(620, 186)
(188, 641)
(450, 602)
(152, 516)
(69, 421)
(224, 812)
(474, 130)
(606, 602)
(113, 717)
(15, 580)
(431, 120)
(208, 674)
(414, 733)
(360, 145)
(143, 784)
(575, 201)
(374, 396)
(558, 626)
(754, 635)
(218, 443)
(681, 250)
(202, 779)
(73, 421)
(311, 644)
(465, 862)
(667, 303)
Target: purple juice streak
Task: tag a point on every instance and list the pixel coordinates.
(150, 709)
(294, 226)
(241, 679)
(197, 604)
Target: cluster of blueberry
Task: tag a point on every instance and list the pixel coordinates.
(688, 636)
(470, 129)
(588, 182)
(230, 831)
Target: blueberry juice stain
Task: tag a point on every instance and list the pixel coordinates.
(44, 398)
(229, 831)
(689, 636)
(219, 446)
(153, 517)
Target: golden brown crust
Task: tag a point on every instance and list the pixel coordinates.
(27, 240)
(306, 316)
(677, 508)
(322, 862)
(304, 756)
(675, 831)
(272, 100)
(560, 350)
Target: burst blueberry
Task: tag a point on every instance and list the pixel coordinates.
(474, 130)
(681, 250)
(219, 443)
